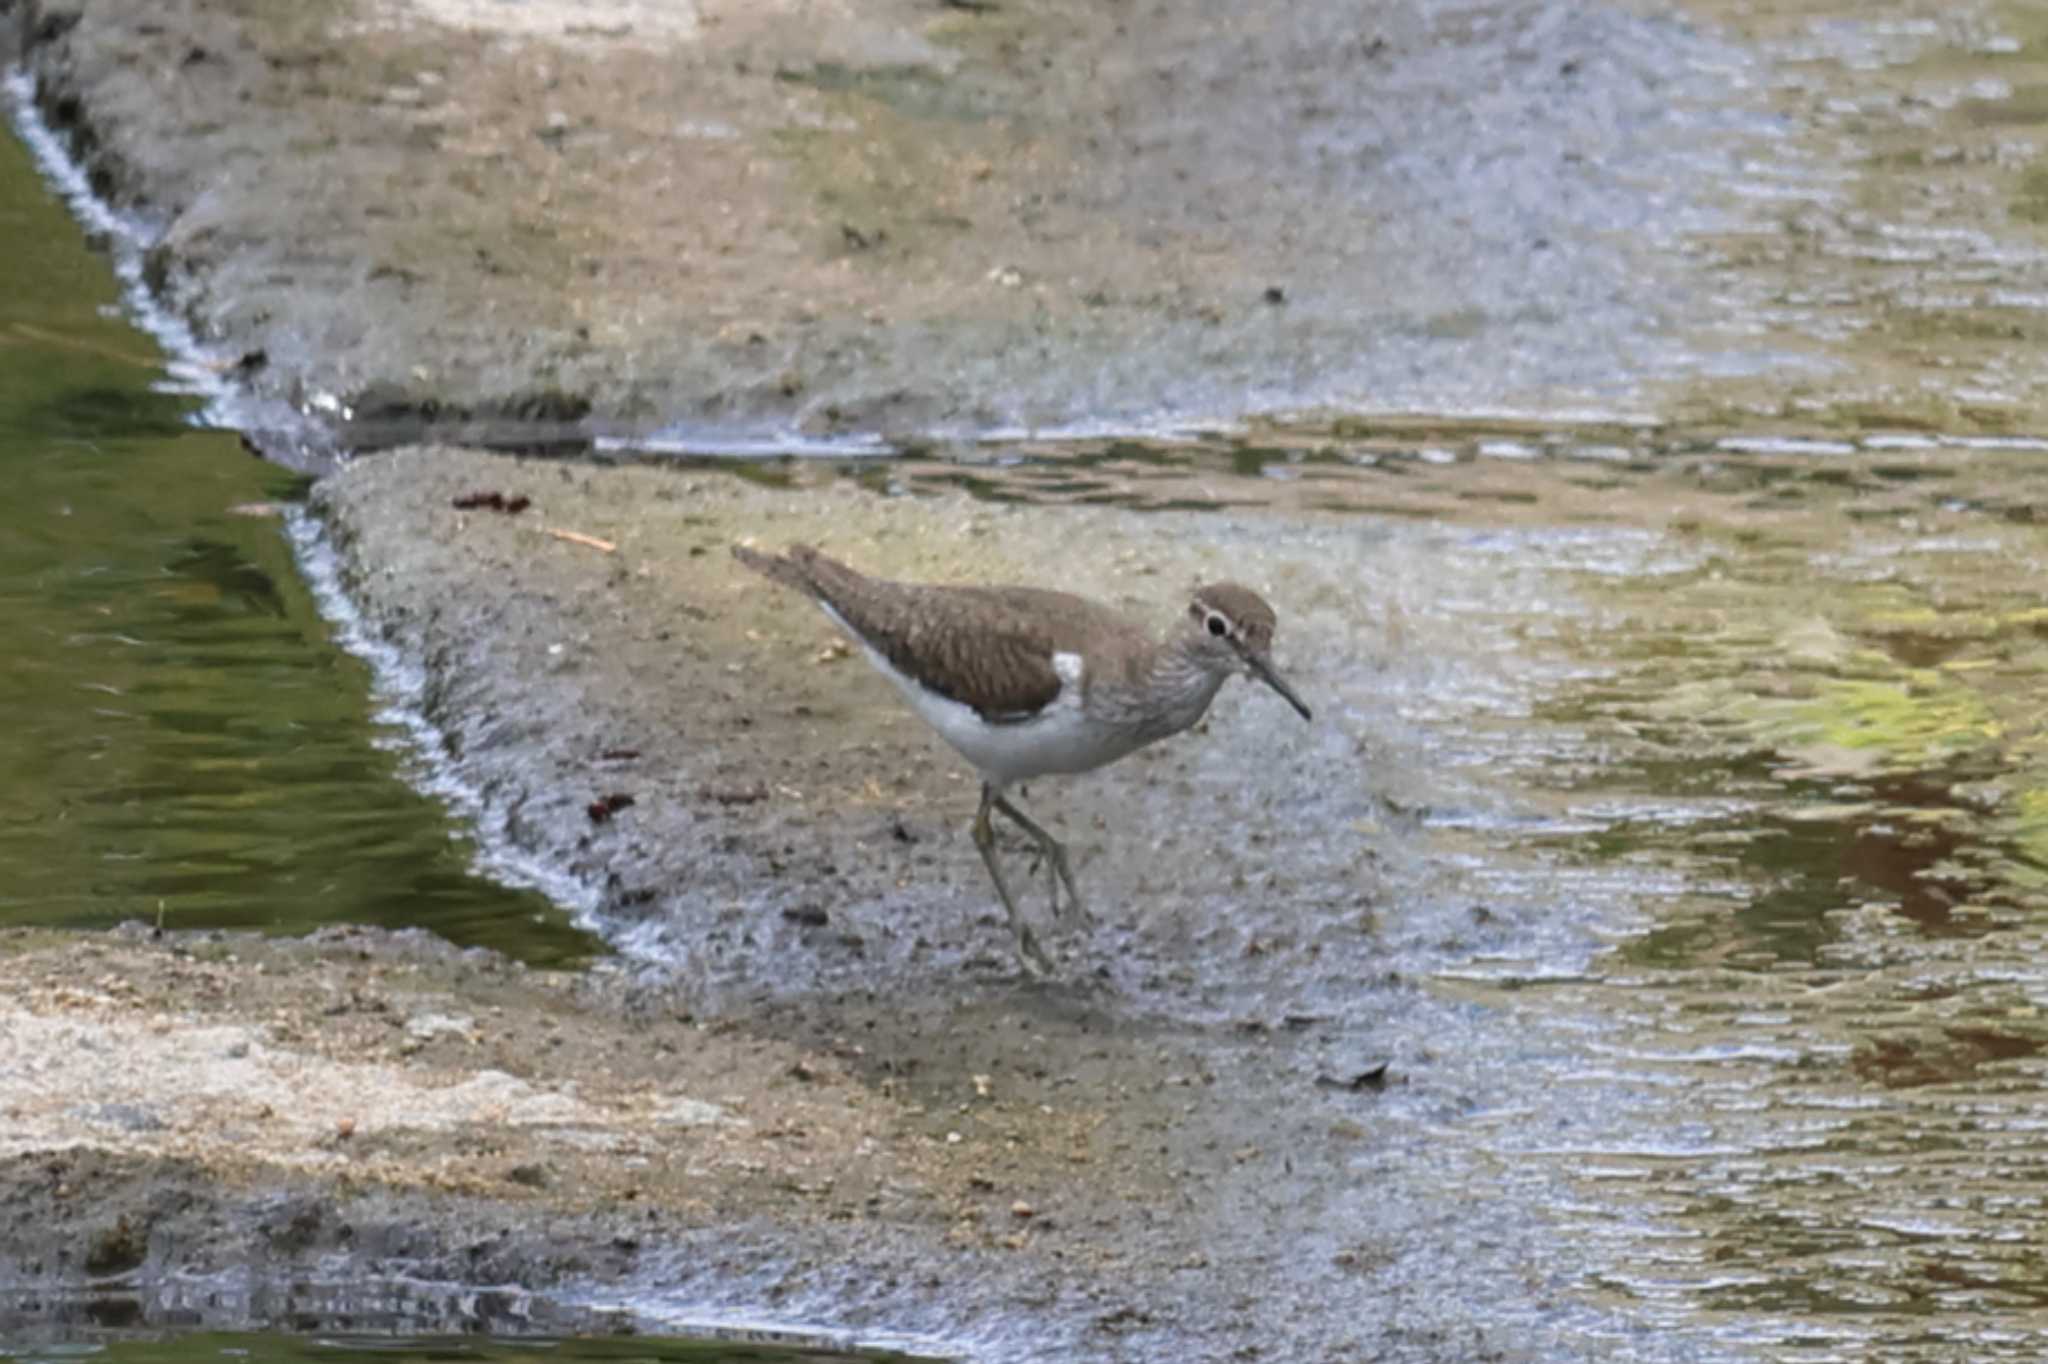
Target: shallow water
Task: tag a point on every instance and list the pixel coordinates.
(1706, 805)
(185, 742)
(348, 1348)
(1827, 743)
(362, 1319)
(1727, 821)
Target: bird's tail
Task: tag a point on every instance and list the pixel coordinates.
(801, 567)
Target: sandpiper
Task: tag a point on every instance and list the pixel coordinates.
(1027, 682)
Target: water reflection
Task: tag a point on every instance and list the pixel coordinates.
(182, 738)
(1822, 1073)
(382, 1319)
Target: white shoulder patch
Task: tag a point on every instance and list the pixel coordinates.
(1069, 667)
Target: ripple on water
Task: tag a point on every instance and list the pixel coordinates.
(1821, 1079)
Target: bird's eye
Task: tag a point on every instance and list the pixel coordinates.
(1218, 626)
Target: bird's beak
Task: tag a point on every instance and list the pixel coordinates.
(1262, 668)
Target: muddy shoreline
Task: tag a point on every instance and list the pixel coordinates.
(812, 1087)
(274, 1109)
(818, 1053)
(875, 228)
(877, 223)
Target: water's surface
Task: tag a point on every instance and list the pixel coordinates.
(345, 1348)
(1828, 741)
(1761, 801)
(354, 1317)
(183, 739)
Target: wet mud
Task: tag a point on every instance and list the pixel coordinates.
(897, 222)
(1636, 959)
(724, 224)
(1648, 815)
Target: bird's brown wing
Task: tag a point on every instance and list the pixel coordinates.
(983, 647)
(962, 644)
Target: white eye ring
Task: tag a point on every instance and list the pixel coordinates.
(1218, 626)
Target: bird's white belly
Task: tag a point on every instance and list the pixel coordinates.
(1059, 739)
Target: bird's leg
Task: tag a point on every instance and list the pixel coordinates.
(1055, 853)
(1038, 857)
(985, 840)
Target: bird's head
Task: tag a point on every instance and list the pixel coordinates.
(1233, 630)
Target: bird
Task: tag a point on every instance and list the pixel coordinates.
(1028, 682)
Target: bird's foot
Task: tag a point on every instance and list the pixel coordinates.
(1075, 908)
(1036, 962)
(1039, 861)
